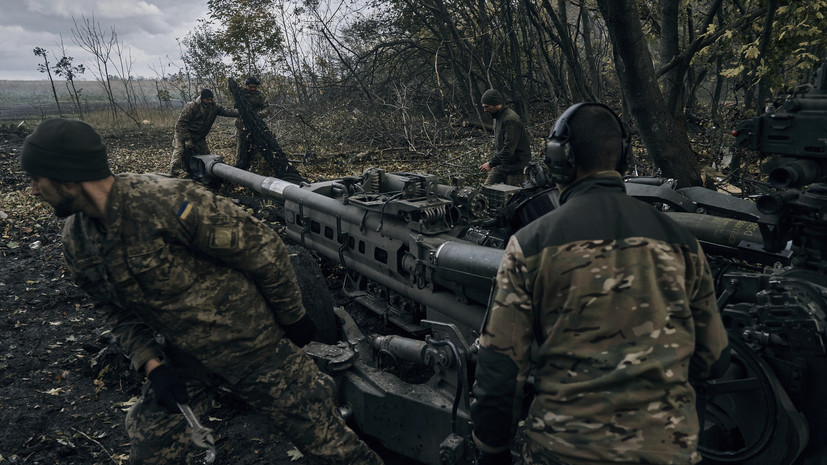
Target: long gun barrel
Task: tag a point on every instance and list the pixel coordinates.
(403, 244)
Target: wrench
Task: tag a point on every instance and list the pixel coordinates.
(201, 435)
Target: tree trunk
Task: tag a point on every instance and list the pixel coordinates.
(716, 94)
(763, 45)
(591, 60)
(670, 50)
(665, 139)
(516, 75)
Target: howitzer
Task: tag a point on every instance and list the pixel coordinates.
(769, 407)
(424, 255)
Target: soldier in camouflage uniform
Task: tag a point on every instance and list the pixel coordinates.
(192, 127)
(618, 301)
(511, 140)
(245, 152)
(164, 256)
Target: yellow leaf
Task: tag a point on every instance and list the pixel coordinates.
(294, 454)
(54, 392)
(710, 29)
(732, 72)
(124, 406)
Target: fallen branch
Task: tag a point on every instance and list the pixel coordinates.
(99, 444)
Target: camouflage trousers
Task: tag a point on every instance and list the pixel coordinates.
(288, 388)
(177, 162)
(245, 152)
(497, 177)
(535, 454)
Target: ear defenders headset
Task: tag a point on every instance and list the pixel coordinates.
(559, 155)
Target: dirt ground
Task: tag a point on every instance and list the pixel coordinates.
(65, 386)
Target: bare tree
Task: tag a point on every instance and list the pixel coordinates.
(123, 69)
(89, 36)
(290, 23)
(162, 84)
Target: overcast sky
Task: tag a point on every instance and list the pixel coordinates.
(147, 28)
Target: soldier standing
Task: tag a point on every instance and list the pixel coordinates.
(245, 151)
(510, 139)
(164, 256)
(620, 301)
(192, 127)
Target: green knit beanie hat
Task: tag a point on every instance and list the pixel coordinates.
(492, 97)
(65, 150)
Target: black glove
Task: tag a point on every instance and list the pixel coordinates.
(500, 458)
(169, 390)
(302, 331)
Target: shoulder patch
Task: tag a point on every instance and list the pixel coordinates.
(185, 210)
(223, 237)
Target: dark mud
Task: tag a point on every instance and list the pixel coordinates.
(64, 384)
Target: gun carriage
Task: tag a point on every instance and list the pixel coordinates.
(423, 255)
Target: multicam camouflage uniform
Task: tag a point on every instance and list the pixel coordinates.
(193, 125)
(176, 260)
(622, 300)
(513, 149)
(244, 152)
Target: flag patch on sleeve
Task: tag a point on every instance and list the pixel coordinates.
(185, 210)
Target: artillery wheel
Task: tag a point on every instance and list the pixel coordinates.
(748, 419)
(315, 295)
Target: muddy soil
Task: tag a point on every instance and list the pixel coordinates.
(64, 384)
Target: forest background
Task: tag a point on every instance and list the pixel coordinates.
(404, 77)
(394, 84)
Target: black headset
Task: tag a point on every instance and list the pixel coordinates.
(559, 155)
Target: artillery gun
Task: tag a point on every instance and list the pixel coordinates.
(769, 408)
(423, 256)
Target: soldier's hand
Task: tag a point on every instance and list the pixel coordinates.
(189, 145)
(301, 332)
(500, 458)
(168, 388)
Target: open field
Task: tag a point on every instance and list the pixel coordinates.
(22, 100)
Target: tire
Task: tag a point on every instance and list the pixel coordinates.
(315, 295)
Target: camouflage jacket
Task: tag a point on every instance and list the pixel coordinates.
(197, 119)
(511, 139)
(620, 299)
(177, 260)
(258, 103)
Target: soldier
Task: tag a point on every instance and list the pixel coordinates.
(620, 301)
(245, 152)
(198, 294)
(192, 128)
(510, 139)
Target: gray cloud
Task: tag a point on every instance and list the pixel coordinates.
(147, 30)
